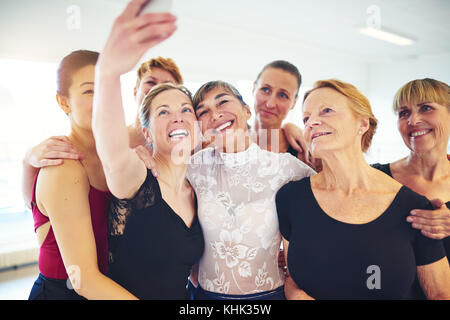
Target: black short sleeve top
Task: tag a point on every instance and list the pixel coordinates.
(329, 259)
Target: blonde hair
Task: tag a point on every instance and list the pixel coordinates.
(144, 109)
(422, 90)
(163, 63)
(359, 105)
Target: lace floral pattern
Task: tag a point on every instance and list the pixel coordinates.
(121, 209)
(237, 212)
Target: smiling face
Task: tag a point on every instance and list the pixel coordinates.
(172, 123)
(78, 103)
(330, 124)
(275, 95)
(223, 118)
(150, 79)
(424, 126)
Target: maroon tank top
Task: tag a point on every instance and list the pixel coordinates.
(50, 261)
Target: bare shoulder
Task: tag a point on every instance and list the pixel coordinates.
(55, 180)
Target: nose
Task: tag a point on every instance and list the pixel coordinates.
(313, 121)
(271, 101)
(178, 117)
(216, 115)
(414, 119)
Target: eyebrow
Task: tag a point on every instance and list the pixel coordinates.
(85, 83)
(167, 106)
(217, 97)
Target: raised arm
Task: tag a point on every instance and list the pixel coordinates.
(63, 195)
(131, 36)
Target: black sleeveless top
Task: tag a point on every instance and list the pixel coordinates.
(151, 250)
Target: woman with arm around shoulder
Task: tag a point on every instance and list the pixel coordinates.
(345, 229)
(69, 201)
(423, 120)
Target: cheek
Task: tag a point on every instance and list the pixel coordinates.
(402, 127)
(203, 123)
(285, 107)
(260, 99)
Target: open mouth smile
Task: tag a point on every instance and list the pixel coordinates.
(416, 134)
(224, 126)
(178, 134)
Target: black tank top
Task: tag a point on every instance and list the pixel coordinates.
(151, 250)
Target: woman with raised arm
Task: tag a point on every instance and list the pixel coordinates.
(155, 237)
(69, 202)
(344, 230)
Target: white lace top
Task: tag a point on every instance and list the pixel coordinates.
(237, 212)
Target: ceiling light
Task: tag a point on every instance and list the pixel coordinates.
(386, 36)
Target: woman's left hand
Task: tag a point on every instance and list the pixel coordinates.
(434, 224)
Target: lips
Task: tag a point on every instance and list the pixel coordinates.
(177, 134)
(224, 126)
(419, 133)
(319, 134)
(267, 113)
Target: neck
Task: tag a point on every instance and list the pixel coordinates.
(84, 141)
(431, 165)
(170, 173)
(271, 138)
(344, 171)
(238, 141)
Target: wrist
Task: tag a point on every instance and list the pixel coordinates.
(104, 71)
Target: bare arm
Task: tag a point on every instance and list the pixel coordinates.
(130, 37)
(49, 152)
(63, 194)
(435, 279)
(291, 290)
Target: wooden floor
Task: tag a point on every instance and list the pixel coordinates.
(15, 284)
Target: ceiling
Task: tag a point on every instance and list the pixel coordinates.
(37, 27)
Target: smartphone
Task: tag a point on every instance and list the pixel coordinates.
(154, 6)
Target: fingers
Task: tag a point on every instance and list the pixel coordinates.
(133, 8)
(436, 227)
(436, 236)
(50, 162)
(62, 155)
(152, 34)
(437, 203)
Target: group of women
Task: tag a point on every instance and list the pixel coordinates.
(133, 213)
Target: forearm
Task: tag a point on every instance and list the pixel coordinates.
(28, 174)
(293, 292)
(108, 121)
(96, 286)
